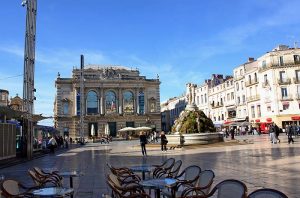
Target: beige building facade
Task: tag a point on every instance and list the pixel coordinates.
(114, 97)
(261, 91)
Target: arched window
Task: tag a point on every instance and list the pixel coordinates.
(249, 77)
(128, 102)
(65, 108)
(92, 102)
(110, 102)
(255, 77)
(141, 101)
(152, 105)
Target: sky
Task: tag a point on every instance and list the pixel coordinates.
(180, 40)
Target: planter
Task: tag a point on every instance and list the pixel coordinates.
(195, 138)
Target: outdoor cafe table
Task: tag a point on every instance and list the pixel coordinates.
(158, 184)
(52, 192)
(142, 168)
(69, 174)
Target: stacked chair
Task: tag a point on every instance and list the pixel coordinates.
(45, 180)
(187, 178)
(124, 184)
(164, 168)
(170, 173)
(191, 183)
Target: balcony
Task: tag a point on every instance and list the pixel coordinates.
(249, 83)
(285, 81)
(238, 77)
(296, 80)
(218, 104)
(241, 103)
(285, 98)
(265, 84)
(263, 68)
(253, 98)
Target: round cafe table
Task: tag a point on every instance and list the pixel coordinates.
(52, 192)
(158, 184)
(144, 168)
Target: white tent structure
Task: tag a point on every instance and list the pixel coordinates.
(92, 130)
(127, 129)
(106, 130)
(143, 128)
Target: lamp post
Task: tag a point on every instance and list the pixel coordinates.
(28, 82)
(81, 123)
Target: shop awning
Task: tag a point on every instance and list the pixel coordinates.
(295, 117)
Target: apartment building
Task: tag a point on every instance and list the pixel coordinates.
(261, 91)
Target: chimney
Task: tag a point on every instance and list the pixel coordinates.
(250, 59)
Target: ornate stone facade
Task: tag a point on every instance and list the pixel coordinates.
(114, 97)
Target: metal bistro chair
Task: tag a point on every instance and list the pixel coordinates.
(163, 168)
(53, 175)
(43, 181)
(229, 188)
(267, 193)
(187, 178)
(126, 190)
(14, 189)
(203, 187)
(124, 175)
(172, 173)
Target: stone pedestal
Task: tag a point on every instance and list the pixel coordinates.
(191, 107)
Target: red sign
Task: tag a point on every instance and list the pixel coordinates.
(295, 117)
(227, 122)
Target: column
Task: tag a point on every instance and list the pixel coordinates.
(102, 102)
(120, 99)
(136, 105)
(145, 101)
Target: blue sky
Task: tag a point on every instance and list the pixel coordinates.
(180, 40)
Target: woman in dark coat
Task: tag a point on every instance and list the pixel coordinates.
(163, 141)
(143, 141)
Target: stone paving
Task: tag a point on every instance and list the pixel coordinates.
(255, 161)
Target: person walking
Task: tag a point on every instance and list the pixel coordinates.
(163, 141)
(277, 131)
(273, 138)
(289, 131)
(232, 133)
(52, 144)
(143, 142)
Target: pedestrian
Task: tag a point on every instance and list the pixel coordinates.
(226, 132)
(66, 142)
(289, 131)
(277, 131)
(163, 141)
(143, 142)
(52, 144)
(71, 140)
(232, 133)
(273, 138)
(156, 136)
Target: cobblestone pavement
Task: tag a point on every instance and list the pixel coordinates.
(252, 159)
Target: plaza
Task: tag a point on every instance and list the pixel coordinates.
(251, 159)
